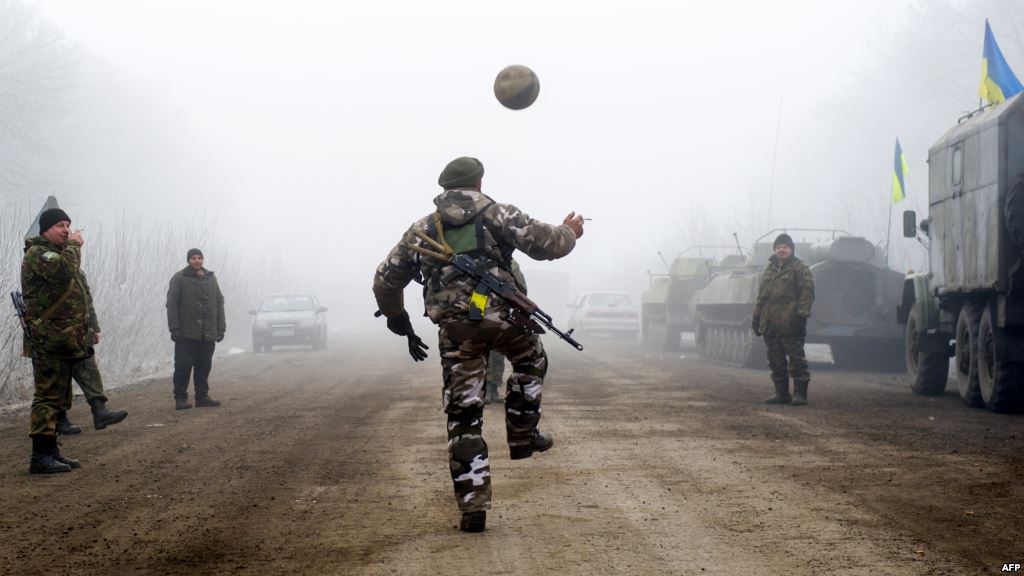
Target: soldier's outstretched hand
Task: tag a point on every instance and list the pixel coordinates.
(77, 237)
(417, 349)
(575, 222)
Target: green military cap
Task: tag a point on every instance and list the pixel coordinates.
(461, 172)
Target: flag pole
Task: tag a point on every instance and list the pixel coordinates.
(888, 233)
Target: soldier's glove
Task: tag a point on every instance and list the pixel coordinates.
(175, 335)
(417, 349)
(398, 324)
(755, 325)
(799, 325)
(401, 325)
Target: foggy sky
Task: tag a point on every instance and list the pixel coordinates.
(320, 127)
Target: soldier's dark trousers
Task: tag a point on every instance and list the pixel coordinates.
(464, 347)
(52, 393)
(192, 358)
(786, 358)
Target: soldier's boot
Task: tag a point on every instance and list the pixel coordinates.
(473, 521)
(206, 401)
(64, 425)
(181, 404)
(64, 459)
(42, 461)
(101, 417)
(781, 395)
(800, 393)
(541, 442)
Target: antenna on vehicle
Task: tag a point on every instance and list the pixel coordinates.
(775, 157)
(667, 267)
(739, 250)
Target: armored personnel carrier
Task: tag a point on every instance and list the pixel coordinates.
(855, 295)
(667, 305)
(973, 292)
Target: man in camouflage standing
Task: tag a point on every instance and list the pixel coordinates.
(470, 326)
(195, 317)
(59, 311)
(784, 300)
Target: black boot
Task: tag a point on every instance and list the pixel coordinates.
(541, 442)
(800, 393)
(101, 417)
(206, 401)
(64, 425)
(181, 404)
(64, 459)
(781, 393)
(473, 521)
(43, 461)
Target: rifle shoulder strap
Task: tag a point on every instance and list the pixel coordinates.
(49, 312)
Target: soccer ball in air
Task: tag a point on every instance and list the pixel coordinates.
(516, 87)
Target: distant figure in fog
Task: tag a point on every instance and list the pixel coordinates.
(59, 310)
(784, 300)
(495, 360)
(195, 317)
(470, 325)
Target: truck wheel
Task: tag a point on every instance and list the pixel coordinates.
(966, 358)
(999, 382)
(928, 372)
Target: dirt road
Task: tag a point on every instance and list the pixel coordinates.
(334, 463)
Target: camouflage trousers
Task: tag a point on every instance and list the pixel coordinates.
(53, 389)
(86, 374)
(781, 347)
(464, 347)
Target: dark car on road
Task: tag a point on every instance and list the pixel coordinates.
(289, 319)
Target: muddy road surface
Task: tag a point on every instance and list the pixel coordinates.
(334, 462)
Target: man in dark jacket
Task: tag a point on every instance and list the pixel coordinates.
(195, 317)
(784, 300)
(59, 311)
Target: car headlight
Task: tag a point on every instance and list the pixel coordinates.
(260, 326)
(306, 323)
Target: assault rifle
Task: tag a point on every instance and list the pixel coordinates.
(523, 312)
(19, 311)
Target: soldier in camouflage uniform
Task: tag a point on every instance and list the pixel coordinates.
(784, 300)
(87, 375)
(474, 224)
(58, 307)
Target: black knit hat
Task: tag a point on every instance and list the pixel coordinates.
(783, 239)
(49, 218)
(193, 252)
(461, 173)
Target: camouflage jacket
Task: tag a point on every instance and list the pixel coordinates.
(195, 305)
(786, 290)
(446, 292)
(48, 271)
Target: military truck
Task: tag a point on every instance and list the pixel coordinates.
(666, 309)
(855, 296)
(972, 293)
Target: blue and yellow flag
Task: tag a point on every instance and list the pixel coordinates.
(997, 80)
(899, 173)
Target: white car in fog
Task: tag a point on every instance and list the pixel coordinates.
(605, 312)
